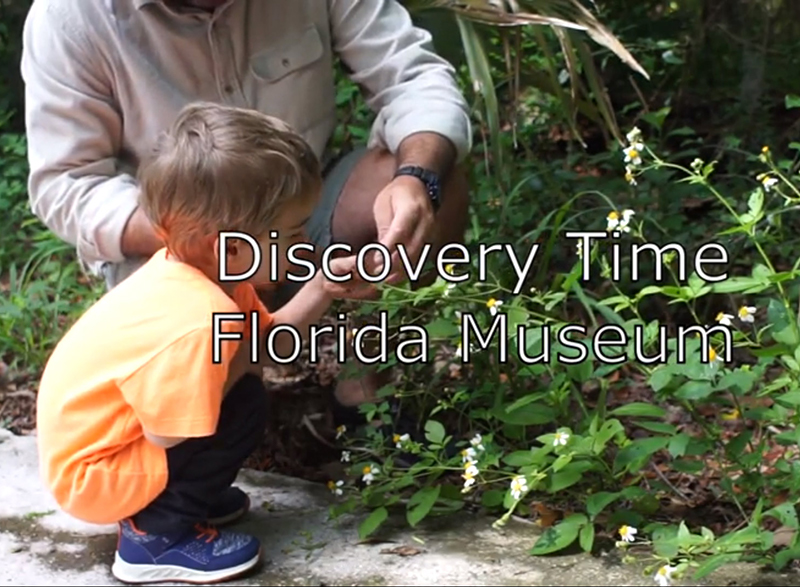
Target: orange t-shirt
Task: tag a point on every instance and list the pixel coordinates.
(141, 358)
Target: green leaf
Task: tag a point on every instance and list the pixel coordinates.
(528, 415)
(792, 101)
(519, 458)
(713, 563)
(587, 537)
(372, 522)
(567, 477)
(421, 503)
(597, 502)
(492, 498)
(678, 444)
(640, 409)
(555, 538)
(434, 432)
(639, 450)
(694, 390)
(660, 378)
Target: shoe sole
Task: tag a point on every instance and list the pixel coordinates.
(141, 574)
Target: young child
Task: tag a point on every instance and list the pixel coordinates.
(137, 423)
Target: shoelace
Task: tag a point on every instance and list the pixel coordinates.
(208, 532)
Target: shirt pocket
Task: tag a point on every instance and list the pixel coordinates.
(294, 78)
(291, 55)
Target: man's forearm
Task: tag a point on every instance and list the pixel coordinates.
(139, 238)
(429, 150)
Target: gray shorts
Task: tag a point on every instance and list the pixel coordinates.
(319, 225)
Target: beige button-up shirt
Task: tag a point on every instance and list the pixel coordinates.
(105, 77)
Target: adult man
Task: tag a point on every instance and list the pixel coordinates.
(104, 78)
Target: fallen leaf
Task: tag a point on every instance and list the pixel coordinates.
(547, 517)
(783, 536)
(404, 550)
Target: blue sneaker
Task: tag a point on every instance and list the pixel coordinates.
(202, 556)
(231, 505)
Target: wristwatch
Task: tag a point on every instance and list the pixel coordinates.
(426, 176)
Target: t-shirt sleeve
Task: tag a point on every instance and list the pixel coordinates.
(178, 393)
(247, 299)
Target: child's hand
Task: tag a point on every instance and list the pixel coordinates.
(355, 288)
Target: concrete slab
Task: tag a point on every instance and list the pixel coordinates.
(39, 545)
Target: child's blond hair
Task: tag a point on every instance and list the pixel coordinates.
(224, 168)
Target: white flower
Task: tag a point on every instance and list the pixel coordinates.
(746, 313)
(613, 221)
(629, 177)
(724, 319)
(345, 456)
(340, 431)
(399, 441)
(633, 153)
(697, 164)
(617, 223)
(369, 473)
(469, 455)
(634, 135)
(627, 533)
(663, 575)
(560, 438)
(470, 472)
(766, 181)
(477, 442)
(519, 485)
(579, 248)
(336, 488)
(493, 305)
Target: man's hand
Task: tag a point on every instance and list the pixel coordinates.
(404, 218)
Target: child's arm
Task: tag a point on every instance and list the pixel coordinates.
(304, 309)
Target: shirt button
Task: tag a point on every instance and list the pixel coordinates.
(228, 89)
(285, 62)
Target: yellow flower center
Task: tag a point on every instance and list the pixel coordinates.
(396, 438)
(720, 316)
(367, 470)
(623, 531)
(449, 268)
(491, 303)
(331, 484)
(662, 571)
(765, 149)
(743, 312)
(712, 354)
(613, 216)
(633, 154)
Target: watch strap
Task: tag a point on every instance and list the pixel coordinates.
(429, 178)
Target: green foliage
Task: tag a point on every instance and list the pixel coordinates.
(594, 435)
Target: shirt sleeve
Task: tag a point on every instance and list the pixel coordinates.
(246, 297)
(178, 392)
(74, 134)
(407, 84)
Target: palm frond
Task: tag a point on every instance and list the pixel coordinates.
(568, 19)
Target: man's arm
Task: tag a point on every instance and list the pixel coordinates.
(74, 133)
(412, 89)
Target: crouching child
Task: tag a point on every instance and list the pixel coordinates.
(139, 424)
